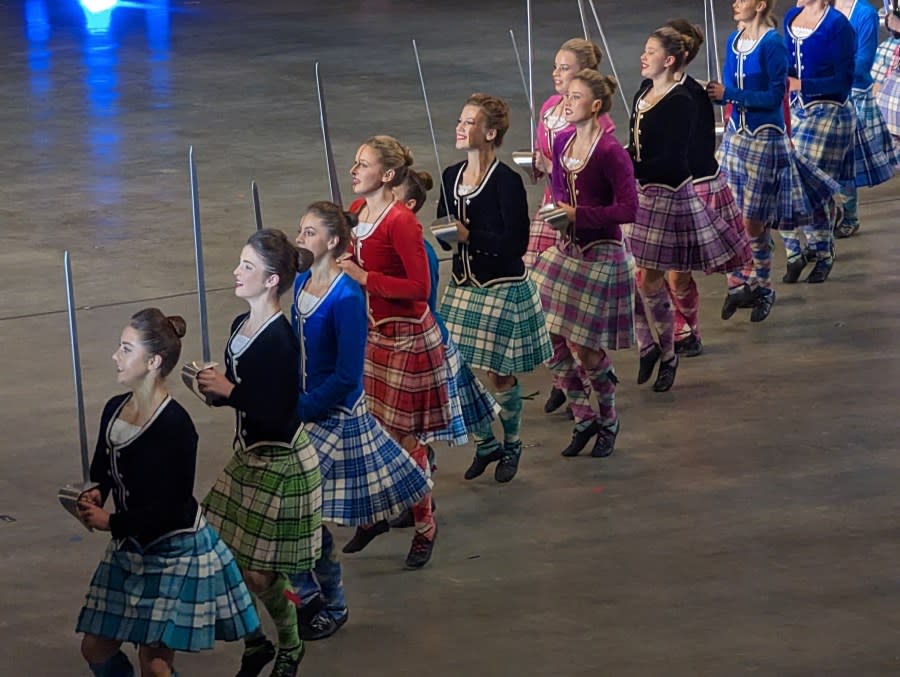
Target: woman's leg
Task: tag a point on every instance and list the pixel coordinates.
(508, 394)
(599, 372)
(157, 661)
(104, 657)
(570, 375)
(270, 588)
(658, 307)
(686, 298)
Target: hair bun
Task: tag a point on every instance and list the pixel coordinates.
(612, 83)
(352, 219)
(305, 259)
(178, 325)
(408, 158)
(426, 179)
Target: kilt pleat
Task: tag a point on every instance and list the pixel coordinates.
(588, 296)
(456, 433)
(267, 506)
(406, 375)
(823, 132)
(717, 195)
(540, 236)
(889, 102)
(874, 149)
(183, 592)
(499, 328)
(478, 405)
(366, 475)
(675, 230)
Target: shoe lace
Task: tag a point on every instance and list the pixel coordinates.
(420, 544)
(320, 621)
(285, 664)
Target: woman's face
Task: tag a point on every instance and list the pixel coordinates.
(314, 236)
(472, 132)
(580, 104)
(367, 174)
(745, 10)
(564, 68)
(654, 59)
(250, 277)
(131, 358)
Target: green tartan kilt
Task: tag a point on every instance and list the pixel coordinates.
(267, 506)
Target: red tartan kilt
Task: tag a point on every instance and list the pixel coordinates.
(406, 375)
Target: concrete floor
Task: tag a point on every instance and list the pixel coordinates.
(747, 523)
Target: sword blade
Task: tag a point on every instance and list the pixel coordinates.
(530, 73)
(584, 24)
(198, 259)
(612, 65)
(437, 157)
(257, 209)
(326, 138)
(512, 36)
(76, 369)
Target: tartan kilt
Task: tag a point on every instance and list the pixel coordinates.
(184, 591)
(540, 236)
(267, 506)
(588, 297)
(823, 132)
(714, 191)
(456, 433)
(874, 149)
(499, 328)
(675, 230)
(406, 375)
(366, 475)
(889, 103)
(478, 405)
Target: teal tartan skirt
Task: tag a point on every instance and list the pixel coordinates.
(267, 506)
(498, 328)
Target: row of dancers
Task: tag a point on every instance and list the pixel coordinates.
(335, 407)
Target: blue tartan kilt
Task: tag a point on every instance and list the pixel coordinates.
(183, 592)
(478, 405)
(874, 150)
(823, 132)
(366, 475)
(456, 433)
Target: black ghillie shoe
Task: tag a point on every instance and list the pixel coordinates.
(420, 550)
(821, 271)
(665, 379)
(648, 363)
(606, 441)
(689, 347)
(794, 270)
(555, 400)
(739, 297)
(480, 463)
(509, 464)
(256, 656)
(363, 537)
(580, 439)
(762, 306)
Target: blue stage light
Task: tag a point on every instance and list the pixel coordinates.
(98, 6)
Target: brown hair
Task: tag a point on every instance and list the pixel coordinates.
(279, 256)
(160, 335)
(337, 222)
(602, 87)
(416, 187)
(496, 112)
(587, 54)
(673, 44)
(391, 155)
(692, 34)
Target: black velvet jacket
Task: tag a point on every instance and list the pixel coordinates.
(151, 477)
(496, 214)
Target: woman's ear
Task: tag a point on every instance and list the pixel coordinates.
(272, 281)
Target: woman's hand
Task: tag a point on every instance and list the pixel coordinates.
(462, 233)
(93, 515)
(568, 209)
(349, 266)
(213, 383)
(793, 84)
(715, 90)
(92, 496)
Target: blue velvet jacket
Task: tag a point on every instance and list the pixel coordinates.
(333, 337)
(865, 22)
(823, 61)
(755, 82)
(435, 273)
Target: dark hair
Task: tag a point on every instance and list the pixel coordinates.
(673, 44)
(279, 256)
(587, 54)
(692, 34)
(602, 87)
(392, 155)
(160, 335)
(495, 110)
(336, 221)
(416, 187)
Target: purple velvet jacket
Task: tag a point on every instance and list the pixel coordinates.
(603, 190)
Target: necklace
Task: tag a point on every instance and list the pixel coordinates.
(368, 212)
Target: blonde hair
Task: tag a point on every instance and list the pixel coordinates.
(602, 87)
(496, 112)
(392, 155)
(587, 54)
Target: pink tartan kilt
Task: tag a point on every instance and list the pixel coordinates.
(717, 195)
(675, 230)
(588, 296)
(540, 237)
(406, 375)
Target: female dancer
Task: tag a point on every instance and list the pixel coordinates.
(873, 150)
(477, 407)
(710, 186)
(574, 55)
(166, 582)
(586, 280)
(673, 228)
(491, 307)
(774, 187)
(405, 372)
(821, 46)
(267, 503)
(366, 475)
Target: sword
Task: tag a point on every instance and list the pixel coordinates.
(444, 230)
(68, 495)
(326, 137)
(525, 159)
(512, 37)
(720, 129)
(612, 66)
(257, 210)
(189, 371)
(584, 24)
